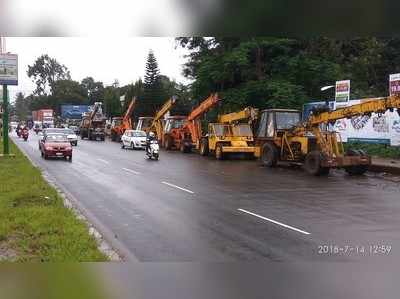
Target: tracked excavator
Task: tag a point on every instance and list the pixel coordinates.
(282, 136)
(230, 134)
(120, 124)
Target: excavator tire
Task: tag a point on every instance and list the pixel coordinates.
(313, 166)
(168, 142)
(269, 155)
(204, 149)
(356, 169)
(184, 148)
(219, 153)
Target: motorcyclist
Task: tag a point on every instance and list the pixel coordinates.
(150, 137)
(17, 130)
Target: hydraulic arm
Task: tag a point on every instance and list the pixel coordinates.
(193, 125)
(248, 113)
(157, 123)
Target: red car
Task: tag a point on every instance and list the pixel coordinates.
(56, 145)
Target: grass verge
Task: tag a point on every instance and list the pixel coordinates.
(379, 150)
(34, 223)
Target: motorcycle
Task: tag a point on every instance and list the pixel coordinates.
(153, 150)
(25, 134)
(19, 132)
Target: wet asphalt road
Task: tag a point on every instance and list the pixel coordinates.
(187, 208)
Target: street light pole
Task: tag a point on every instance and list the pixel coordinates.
(6, 149)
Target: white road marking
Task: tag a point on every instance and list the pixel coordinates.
(131, 171)
(276, 222)
(104, 161)
(175, 186)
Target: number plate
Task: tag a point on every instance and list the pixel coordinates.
(59, 154)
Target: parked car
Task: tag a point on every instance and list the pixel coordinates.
(134, 139)
(56, 145)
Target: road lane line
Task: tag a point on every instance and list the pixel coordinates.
(175, 186)
(276, 222)
(131, 171)
(104, 161)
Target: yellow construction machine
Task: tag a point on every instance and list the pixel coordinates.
(157, 124)
(230, 135)
(282, 136)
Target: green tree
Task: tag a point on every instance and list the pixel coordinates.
(112, 105)
(154, 95)
(21, 107)
(67, 92)
(94, 90)
(45, 72)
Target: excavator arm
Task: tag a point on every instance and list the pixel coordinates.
(206, 105)
(157, 124)
(193, 125)
(248, 113)
(375, 105)
(129, 111)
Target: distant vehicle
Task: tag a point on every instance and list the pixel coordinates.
(56, 145)
(134, 139)
(48, 131)
(75, 129)
(37, 127)
(71, 136)
(13, 125)
(25, 134)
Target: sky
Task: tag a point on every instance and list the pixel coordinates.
(103, 58)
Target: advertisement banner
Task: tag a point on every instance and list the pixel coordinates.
(8, 69)
(342, 93)
(383, 128)
(394, 84)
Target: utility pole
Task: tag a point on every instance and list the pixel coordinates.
(8, 76)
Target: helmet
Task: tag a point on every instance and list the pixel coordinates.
(151, 134)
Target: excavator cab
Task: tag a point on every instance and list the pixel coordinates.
(274, 122)
(172, 130)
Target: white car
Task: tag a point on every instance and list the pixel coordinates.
(134, 139)
(71, 136)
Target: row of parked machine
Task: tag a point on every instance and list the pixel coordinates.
(271, 135)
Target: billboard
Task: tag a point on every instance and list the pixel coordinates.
(73, 111)
(394, 84)
(8, 69)
(375, 128)
(342, 93)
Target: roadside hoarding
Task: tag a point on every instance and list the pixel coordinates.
(8, 69)
(375, 128)
(342, 93)
(394, 84)
(73, 111)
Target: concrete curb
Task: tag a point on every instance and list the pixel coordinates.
(384, 168)
(108, 244)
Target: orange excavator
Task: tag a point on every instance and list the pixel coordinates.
(186, 134)
(120, 124)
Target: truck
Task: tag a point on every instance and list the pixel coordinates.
(93, 124)
(44, 116)
(284, 137)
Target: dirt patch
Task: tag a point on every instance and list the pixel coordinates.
(7, 254)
